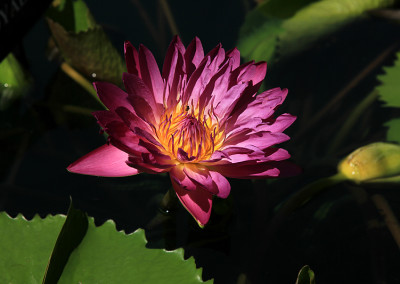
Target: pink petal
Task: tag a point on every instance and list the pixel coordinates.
(191, 177)
(131, 59)
(198, 174)
(173, 71)
(259, 170)
(262, 107)
(112, 96)
(261, 139)
(225, 105)
(149, 163)
(279, 124)
(150, 73)
(178, 175)
(105, 161)
(254, 72)
(234, 54)
(176, 49)
(193, 56)
(131, 121)
(197, 202)
(141, 98)
(221, 187)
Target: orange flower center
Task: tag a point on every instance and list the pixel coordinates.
(186, 128)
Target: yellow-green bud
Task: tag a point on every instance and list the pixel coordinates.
(376, 160)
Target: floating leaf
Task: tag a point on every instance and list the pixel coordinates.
(291, 34)
(72, 233)
(306, 276)
(26, 247)
(107, 256)
(103, 256)
(14, 83)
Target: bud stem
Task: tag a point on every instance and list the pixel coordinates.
(78, 78)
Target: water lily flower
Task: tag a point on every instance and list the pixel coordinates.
(200, 120)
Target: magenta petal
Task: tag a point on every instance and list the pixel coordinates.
(259, 170)
(197, 202)
(279, 124)
(150, 73)
(234, 54)
(194, 55)
(222, 187)
(198, 174)
(180, 177)
(105, 161)
(112, 96)
(131, 58)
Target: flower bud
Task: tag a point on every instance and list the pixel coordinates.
(376, 160)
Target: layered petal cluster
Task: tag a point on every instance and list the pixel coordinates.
(201, 120)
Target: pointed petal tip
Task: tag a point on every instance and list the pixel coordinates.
(105, 161)
(197, 202)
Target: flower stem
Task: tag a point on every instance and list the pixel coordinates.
(170, 17)
(351, 121)
(167, 206)
(300, 198)
(343, 92)
(78, 78)
(306, 193)
(390, 219)
(169, 201)
(78, 110)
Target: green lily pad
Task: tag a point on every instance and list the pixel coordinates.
(108, 256)
(295, 30)
(104, 255)
(26, 247)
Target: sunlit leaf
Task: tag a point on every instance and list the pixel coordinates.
(26, 247)
(73, 15)
(389, 90)
(258, 36)
(321, 18)
(269, 33)
(14, 83)
(104, 255)
(306, 276)
(108, 256)
(72, 233)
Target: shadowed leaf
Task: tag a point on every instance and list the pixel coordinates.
(72, 233)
